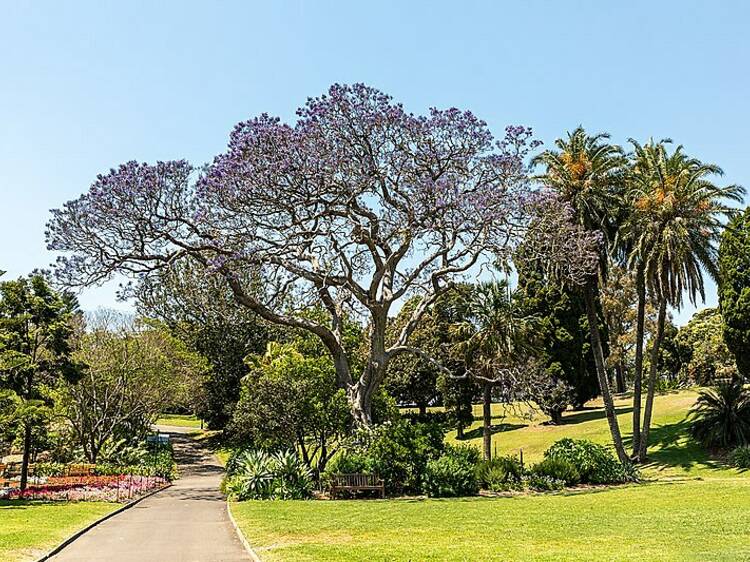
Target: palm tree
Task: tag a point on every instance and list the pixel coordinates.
(671, 238)
(722, 415)
(497, 341)
(587, 173)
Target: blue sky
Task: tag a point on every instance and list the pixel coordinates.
(85, 86)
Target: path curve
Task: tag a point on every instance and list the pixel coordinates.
(187, 522)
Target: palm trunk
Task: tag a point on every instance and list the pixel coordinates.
(601, 373)
(487, 421)
(26, 455)
(640, 283)
(653, 370)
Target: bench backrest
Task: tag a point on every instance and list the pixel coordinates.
(80, 469)
(356, 479)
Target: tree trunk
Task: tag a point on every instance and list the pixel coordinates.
(620, 377)
(26, 455)
(422, 409)
(460, 430)
(487, 421)
(653, 371)
(601, 373)
(640, 284)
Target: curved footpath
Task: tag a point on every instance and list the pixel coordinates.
(187, 522)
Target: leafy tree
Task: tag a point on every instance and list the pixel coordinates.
(585, 173)
(734, 289)
(564, 346)
(289, 397)
(704, 355)
(410, 379)
(673, 237)
(133, 372)
(497, 341)
(200, 310)
(355, 206)
(35, 328)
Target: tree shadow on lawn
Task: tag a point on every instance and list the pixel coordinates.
(677, 448)
(591, 414)
(498, 428)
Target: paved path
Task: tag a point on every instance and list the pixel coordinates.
(187, 522)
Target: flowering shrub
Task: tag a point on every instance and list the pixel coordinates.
(120, 488)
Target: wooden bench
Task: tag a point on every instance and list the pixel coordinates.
(355, 483)
(80, 470)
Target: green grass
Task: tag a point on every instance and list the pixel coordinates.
(688, 520)
(672, 453)
(179, 420)
(29, 529)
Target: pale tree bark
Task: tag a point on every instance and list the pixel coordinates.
(653, 372)
(596, 344)
(638, 373)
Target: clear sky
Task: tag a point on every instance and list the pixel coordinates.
(86, 86)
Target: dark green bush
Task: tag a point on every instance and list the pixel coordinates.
(501, 474)
(453, 474)
(740, 457)
(595, 463)
(397, 452)
(557, 468)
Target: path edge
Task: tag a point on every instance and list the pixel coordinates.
(253, 555)
(90, 526)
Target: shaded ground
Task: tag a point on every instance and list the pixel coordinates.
(187, 522)
(672, 453)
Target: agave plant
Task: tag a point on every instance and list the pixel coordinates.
(257, 475)
(293, 479)
(722, 416)
(252, 476)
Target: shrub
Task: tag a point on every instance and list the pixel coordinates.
(49, 469)
(722, 416)
(595, 463)
(257, 475)
(398, 452)
(501, 474)
(557, 468)
(453, 474)
(543, 482)
(740, 457)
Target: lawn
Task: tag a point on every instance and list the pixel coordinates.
(179, 420)
(29, 529)
(688, 520)
(672, 454)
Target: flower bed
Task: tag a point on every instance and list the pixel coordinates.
(119, 488)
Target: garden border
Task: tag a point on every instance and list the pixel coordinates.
(253, 555)
(87, 528)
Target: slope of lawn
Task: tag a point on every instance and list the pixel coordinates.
(179, 420)
(688, 520)
(29, 529)
(672, 453)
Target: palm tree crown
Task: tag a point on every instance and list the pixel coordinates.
(586, 171)
(676, 219)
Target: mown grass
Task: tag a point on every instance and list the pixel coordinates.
(29, 529)
(688, 520)
(672, 452)
(179, 420)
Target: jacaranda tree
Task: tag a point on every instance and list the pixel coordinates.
(354, 207)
